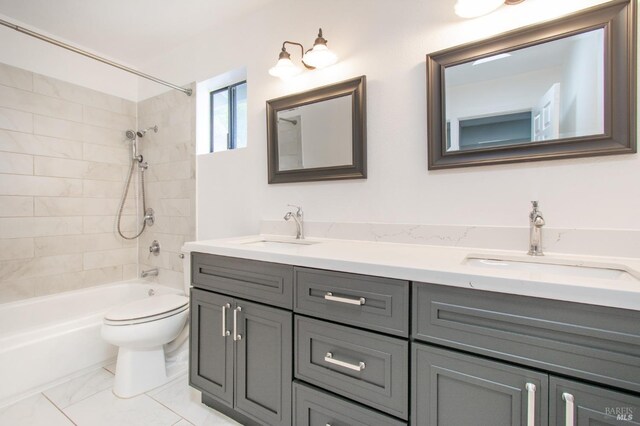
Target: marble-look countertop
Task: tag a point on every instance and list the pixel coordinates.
(442, 265)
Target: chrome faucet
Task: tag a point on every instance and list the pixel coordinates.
(536, 222)
(149, 273)
(298, 217)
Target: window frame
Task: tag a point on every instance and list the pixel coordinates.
(232, 116)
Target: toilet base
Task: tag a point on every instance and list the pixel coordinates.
(139, 371)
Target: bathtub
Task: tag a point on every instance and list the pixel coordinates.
(45, 340)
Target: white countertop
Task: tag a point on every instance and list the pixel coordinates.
(442, 265)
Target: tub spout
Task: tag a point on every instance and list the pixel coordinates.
(150, 273)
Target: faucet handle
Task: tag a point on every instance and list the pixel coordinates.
(534, 204)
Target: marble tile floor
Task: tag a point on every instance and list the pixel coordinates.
(88, 400)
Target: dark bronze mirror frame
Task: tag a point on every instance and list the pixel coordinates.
(618, 19)
(355, 87)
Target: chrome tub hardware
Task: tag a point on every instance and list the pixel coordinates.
(149, 217)
(358, 301)
(150, 273)
(331, 360)
(536, 222)
(155, 248)
(298, 217)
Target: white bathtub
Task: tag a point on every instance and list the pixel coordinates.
(44, 340)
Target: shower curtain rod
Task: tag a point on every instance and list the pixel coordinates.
(23, 30)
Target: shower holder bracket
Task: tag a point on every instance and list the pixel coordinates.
(149, 216)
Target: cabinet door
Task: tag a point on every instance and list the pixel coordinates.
(263, 363)
(211, 353)
(454, 389)
(579, 404)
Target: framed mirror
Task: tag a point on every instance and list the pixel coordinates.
(318, 135)
(561, 89)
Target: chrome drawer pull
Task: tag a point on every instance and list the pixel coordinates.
(331, 360)
(531, 404)
(331, 297)
(236, 336)
(225, 332)
(568, 415)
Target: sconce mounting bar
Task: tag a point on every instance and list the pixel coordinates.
(301, 50)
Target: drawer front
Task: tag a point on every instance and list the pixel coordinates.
(590, 342)
(367, 367)
(313, 407)
(379, 304)
(581, 404)
(269, 283)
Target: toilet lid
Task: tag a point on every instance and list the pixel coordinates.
(148, 307)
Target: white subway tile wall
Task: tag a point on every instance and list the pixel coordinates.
(170, 181)
(63, 164)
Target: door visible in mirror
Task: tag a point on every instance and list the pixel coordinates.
(316, 135)
(550, 91)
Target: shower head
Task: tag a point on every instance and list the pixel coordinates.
(131, 135)
(141, 133)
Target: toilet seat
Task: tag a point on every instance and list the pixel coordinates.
(149, 309)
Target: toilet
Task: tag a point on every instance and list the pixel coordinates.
(141, 329)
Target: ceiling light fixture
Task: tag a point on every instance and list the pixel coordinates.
(475, 8)
(319, 56)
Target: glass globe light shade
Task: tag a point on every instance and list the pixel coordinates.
(320, 56)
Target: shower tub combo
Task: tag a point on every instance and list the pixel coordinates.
(47, 340)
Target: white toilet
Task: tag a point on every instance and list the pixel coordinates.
(141, 329)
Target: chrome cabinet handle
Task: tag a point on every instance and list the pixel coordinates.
(569, 405)
(236, 336)
(359, 301)
(225, 332)
(531, 404)
(331, 360)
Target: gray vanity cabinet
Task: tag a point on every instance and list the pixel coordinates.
(454, 389)
(241, 357)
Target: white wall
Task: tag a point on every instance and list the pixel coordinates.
(388, 42)
(26, 52)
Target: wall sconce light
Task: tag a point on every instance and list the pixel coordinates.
(475, 8)
(319, 56)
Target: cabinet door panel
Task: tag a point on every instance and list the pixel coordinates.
(453, 389)
(592, 405)
(263, 363)
(211, 354)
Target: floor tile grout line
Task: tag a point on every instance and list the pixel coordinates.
(168, 408)
(82, 399)
(58, 408)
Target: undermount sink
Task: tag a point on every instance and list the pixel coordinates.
(551, 267)
(278, 243)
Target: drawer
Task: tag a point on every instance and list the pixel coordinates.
(313, 407)
(379, 304)
(269, 283)
(367, 367)
(595, 343)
